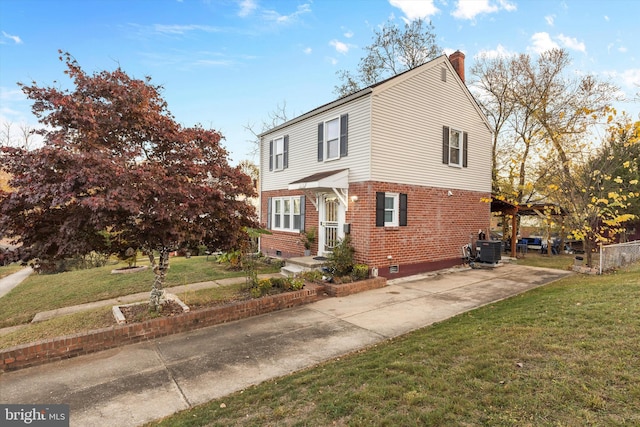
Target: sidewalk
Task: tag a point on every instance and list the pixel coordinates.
(139, 383)
(141, 296)
(11, 281)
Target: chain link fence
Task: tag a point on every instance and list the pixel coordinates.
(614, 256)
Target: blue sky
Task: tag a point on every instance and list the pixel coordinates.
(229, 63)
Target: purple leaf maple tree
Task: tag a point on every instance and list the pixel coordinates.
(116, 169)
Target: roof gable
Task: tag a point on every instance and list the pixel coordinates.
(384, 85)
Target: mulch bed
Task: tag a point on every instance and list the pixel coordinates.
(140, 312)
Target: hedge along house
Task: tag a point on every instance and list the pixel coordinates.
(403, 166)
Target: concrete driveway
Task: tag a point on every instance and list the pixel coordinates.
(139, 383)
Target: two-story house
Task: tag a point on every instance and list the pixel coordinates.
(403, 166)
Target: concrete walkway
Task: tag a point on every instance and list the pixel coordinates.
(139, 383)
(11, 281)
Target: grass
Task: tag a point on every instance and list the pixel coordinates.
(535, 259)
(6, 270)
(564, 354)
(47, 292)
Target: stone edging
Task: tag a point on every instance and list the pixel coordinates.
(129, 270)
(41, 352)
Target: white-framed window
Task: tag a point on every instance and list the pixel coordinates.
(455, 147)
(278, 153)
(391, 209)
(333, 139)
(286, 213)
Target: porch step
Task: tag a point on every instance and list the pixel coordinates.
(295, 266)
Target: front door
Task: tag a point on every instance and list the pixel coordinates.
(331, 223)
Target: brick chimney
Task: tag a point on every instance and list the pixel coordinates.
(457, 60)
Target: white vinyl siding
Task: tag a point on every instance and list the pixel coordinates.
(407, 142)
(303, 147)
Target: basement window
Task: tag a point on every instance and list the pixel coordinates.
(393, 269)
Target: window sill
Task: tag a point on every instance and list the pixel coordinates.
(391, 228)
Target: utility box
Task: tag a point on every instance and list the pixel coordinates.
(490, 250)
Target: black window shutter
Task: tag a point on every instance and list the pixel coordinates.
(269, 213)
(465, 144)
(271, 155)
(379, 209)
(320, 141)
(344, 125)
(402, 220)
(285, 156)
(445, 145)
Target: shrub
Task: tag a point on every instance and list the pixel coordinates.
(313, 276)
(340, 261)
(295, 284)
(360, 272)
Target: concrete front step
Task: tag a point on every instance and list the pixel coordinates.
(295, 266)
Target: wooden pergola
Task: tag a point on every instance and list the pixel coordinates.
(533, 209)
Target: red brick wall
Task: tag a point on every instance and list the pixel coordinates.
(438, 226)
(75, 345)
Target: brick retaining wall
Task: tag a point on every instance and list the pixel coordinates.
(41, 352)
(65, 347)
(344, 289)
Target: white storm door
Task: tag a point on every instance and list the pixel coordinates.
(331, 223)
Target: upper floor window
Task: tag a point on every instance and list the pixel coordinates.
(454, 147)
(333, 138)
(279, 153)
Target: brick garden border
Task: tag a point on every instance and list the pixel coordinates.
(65, 347)
(344, 289)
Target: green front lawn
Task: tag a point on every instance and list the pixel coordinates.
(50, 291)
(565, 354)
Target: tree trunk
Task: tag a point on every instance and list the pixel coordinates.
(160, 272)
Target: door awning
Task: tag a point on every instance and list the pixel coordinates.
(323, 180)
(336, 181)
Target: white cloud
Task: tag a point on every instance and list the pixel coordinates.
(7, 94)
(415, 9)
(542, 42)
(572, 43)
(307, 50)
(631, 78)
(469, 9)
(272, 15)
(606, 18)
(550, 19)
(622, 49)
(16, 39)
(340, 47)
(247, 7)
(348, 34)
(182, 29)
(499, 52)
